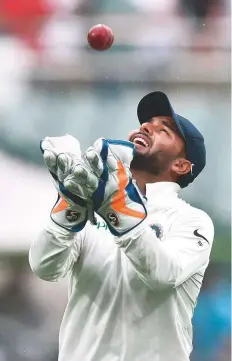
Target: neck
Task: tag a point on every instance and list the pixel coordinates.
(142, 178)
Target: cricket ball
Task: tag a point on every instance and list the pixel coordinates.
(100, 37)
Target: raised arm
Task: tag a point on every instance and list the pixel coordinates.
(168, 264)
(53, 253)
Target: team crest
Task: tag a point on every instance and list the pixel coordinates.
(158, 230)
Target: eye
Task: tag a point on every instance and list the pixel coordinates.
(164, 130)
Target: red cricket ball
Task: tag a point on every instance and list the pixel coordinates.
(100, 37)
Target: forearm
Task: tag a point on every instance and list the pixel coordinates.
(154, 265)
(54, 252)
(165, 265)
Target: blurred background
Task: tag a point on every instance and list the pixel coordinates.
(53, 83)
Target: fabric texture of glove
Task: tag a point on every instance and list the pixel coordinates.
(62, 156)
(117, 198)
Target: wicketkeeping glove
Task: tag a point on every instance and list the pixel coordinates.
(62, 156)
(117, 198)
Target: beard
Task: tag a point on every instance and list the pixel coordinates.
(154, 164)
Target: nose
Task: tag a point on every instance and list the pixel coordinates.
(147, 128)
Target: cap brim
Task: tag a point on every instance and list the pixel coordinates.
(157, 104)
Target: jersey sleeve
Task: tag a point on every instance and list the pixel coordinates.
(170, 263)
(53, 253)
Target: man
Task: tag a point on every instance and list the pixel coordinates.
(135, 275)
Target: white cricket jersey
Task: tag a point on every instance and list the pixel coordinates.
(130, 298)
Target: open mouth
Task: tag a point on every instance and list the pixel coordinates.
(140, 140)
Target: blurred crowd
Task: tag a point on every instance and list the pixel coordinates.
(48, 39)
(51, 83)
(58, 28)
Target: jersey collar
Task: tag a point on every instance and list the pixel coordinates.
(161, 191)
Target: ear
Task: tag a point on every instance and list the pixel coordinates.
(181, 166)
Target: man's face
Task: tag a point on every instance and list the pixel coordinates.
(158, 143)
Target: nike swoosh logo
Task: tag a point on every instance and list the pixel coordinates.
(118, 203)
(200, 235)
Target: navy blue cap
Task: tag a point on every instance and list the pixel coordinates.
(157, 104)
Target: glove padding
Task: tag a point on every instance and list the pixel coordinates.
(117, 198)
(62, 156)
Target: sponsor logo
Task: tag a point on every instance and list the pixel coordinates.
(72, 216)
(200, 235)
(113, 219)
(102, 225)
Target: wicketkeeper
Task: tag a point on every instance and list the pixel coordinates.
(134, 280)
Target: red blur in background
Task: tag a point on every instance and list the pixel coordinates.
(25, 18)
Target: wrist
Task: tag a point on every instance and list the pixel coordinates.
(69, 217)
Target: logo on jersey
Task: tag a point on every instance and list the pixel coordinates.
(158, 230)
(102, 224)
(200, 235)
